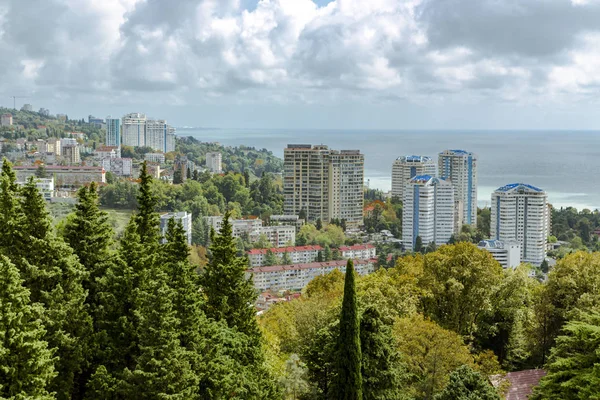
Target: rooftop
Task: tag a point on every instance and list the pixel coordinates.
(521, 382)
(414, 158)
(357, 247)
(328, 264)
(518, 186)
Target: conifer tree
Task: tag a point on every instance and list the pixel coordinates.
(147, 217)
(230, 295)
(347, 381)
(8, 207)
(26, 363)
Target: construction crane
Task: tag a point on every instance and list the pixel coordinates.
(15, 100)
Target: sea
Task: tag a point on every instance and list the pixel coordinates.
(566, 164)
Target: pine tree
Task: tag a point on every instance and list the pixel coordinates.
(26, 363)
(8, 207)
(147, 217)
(347, 381)
(230, 295)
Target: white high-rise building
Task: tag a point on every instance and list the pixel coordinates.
(407, 167)
(323, 183)
(520, 213)
(170, 139)
(133, 129)
(428, 211)
(156, 134)
(460, 168)
(346, 180)
(113, 131)
(183, 217)
(213, 162)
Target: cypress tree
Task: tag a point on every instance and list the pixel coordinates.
(347, 381)
(147, 218)
(26, 363)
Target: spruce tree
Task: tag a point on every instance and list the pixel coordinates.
(26, 363)
(8, 207)
(147, 218)
(347, 381)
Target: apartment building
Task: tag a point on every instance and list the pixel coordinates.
(6, 120)
(298, 254)
(358, 251)
(297, 276)
(155, 157)
(133, 129)
(508, 254)
(65, 177)
(293, 220)
(428, 211)
(183, 217)
(520, 213)
(160, 135)
(323, 183)
(459, 167)
(214, 162)
(113, 131)
(279, 236)
(407, 167)
(71, 154)
(44, 185)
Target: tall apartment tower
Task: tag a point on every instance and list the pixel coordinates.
(324, 183)
(113, 131)
(133, 129)
(170, 139)
(346, 182)
(306, 181)
(520, 213)
(460, 168)
(213, 162)
(407, 167)
(428, 211)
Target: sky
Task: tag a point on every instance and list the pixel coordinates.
(350, 64)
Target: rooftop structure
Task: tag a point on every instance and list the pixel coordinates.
(508, 254)
(407, 167)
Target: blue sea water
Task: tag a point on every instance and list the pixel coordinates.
(564, 163)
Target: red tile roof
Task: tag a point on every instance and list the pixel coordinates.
(521, 382)
(357, 247)
(276, 250)
(335, 264)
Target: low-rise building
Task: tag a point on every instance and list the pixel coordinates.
(118, 166)
(293, 220)
(183, 217)
(279, 236)
(65, 177)
(297, 276)
(241, 227)
(298, 254)
(155, 157)
(44, 185)
(508, 254)
(358, 251)
(6, 120)
(107, 152)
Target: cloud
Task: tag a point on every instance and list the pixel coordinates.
(199, 51)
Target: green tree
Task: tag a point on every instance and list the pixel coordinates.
(9, 212)
(147, 219)
(574, 361)
(326, 253)
(319, 224)
(466, 384)
(286, 259)
(41, 171)
(27, 363)
(293, 382)
(347, 380)
(270, 258)
(177, 177)
(418, 245)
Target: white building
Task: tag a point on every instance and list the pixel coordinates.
(358, 251)
(287, 220)
(213, 162)
(44, 185)
(508, 254)
(240, 227)
(155, 157)
(160, 136)
(407, 167)
(184, 218)
(346, 183)
(70, 153)
(297, 276)
(520, 213)
(113, 131)
(6, 120)
(298, 254)
(460, 168)
(133, 129)
(279, 236)
(428, 211)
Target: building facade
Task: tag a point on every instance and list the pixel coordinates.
(70, 153)
(113, 131)
(346, 182)
(160, 135)
(184, 218)
(278, 236)
(508, 254)
(407, 167)
(133, 129)
(358, 251)
(65, 177)
(460, 168)
(297, 276)
(323, 183)
(428, 211)
(298, 254)
(155, 157)
(520, 213)
(214, 162)
(6, 120)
